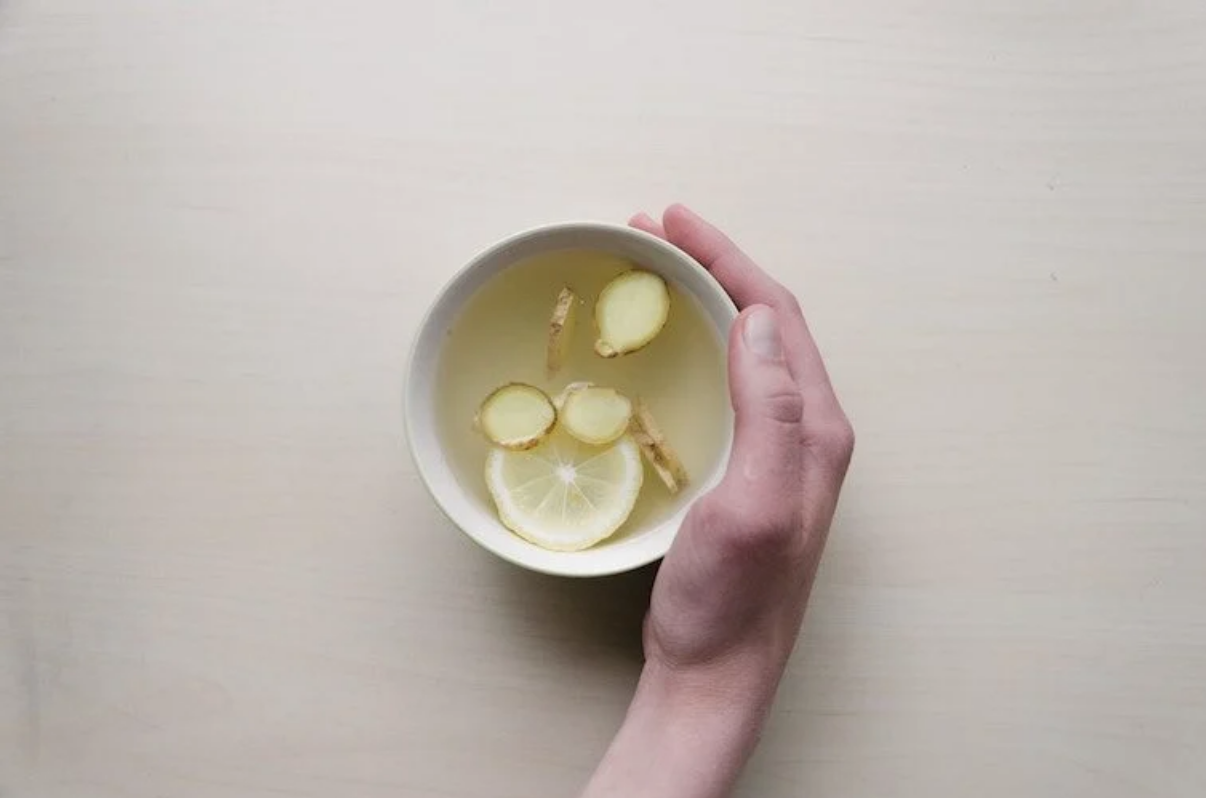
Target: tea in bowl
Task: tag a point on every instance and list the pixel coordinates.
(567, 399)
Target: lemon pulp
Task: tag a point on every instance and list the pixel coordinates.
(564, 494)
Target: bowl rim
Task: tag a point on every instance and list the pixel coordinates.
(582, 567)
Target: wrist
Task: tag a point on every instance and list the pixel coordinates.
(688, 732)
(726, 701)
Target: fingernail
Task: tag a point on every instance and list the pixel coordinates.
(643, 218)
(762, 334)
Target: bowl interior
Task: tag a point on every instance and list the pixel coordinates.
(477, 518)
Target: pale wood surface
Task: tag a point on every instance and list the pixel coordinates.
(220, 221)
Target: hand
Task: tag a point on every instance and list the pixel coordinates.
(730, 595)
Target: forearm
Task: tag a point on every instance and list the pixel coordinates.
(685, 736)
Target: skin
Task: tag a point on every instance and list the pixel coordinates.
(730, 595)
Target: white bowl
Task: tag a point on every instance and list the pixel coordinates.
(637, 547)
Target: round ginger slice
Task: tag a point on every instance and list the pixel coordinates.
(559, 399)
(595, 415)
(630, 312)
(517, 416)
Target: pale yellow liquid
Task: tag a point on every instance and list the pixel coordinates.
(501, 336)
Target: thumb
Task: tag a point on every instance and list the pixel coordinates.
(767, 460)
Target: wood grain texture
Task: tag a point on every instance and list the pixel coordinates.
(220, 221)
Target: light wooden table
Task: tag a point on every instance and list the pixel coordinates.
(219, 222)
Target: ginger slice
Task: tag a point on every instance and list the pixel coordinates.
(631, 311)
(561, 329)
(517, 416)
(595, 415)
(657, 449)
(559, 399)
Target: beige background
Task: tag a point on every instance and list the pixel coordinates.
(219, 222)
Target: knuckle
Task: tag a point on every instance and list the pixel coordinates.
(836, 438)
(785, 406)
(760, 538)
(785, 301)
(714, 515)
(746, 531)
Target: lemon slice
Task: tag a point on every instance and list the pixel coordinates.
(565, 495)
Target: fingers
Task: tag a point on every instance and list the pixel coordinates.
(645, 222)
(766, 466)
(748, 284)
(792, 440)
(731, 267)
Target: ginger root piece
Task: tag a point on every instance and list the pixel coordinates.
(630, 312)
(559, 399)
(595, 415)
(517, 416)
(561, 329)
(657, 449)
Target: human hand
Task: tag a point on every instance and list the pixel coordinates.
(730, 595)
